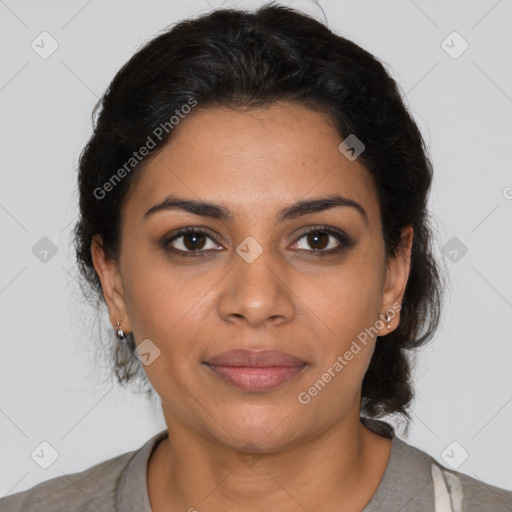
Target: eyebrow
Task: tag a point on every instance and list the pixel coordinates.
(221, 212)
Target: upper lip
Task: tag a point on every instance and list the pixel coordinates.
(262, 358)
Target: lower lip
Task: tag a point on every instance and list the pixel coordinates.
(255, 379)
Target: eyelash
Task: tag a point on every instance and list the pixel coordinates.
(344, 240)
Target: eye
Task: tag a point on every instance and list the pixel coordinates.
(190, 240)
(323, 240)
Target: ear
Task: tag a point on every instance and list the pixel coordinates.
(397, 274)
(112, 285)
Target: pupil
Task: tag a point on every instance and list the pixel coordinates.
(313, 239)
(196, 238)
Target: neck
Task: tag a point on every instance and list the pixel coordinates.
(344, 465)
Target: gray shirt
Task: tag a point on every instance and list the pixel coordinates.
(413, 482)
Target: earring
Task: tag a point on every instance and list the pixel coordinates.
(120, 332)
(387, 318)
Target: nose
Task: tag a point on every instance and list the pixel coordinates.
(256, 293)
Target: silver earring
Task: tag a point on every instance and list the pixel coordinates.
(120, 332)
(387, 318)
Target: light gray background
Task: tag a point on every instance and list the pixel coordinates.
(463, 106)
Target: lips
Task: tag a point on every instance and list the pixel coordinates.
(255, 370)
(263, 358)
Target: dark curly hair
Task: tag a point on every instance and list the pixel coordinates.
(243, 59)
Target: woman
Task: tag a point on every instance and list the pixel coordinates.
(253, 213)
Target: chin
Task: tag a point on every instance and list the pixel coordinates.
(264, 429)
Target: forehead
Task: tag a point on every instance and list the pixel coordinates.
(253, 160)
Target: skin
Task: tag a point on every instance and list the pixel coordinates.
(256, 162)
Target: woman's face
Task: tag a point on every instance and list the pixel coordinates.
(254, 280)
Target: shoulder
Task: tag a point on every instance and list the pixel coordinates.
(472, 495)
(416, 482)
(93, 489)
(462, 492)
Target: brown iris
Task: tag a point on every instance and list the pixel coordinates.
(318, 238)
(194, 241)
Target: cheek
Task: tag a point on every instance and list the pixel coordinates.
(344, 307)
(345, 347)
(169, 310)
(347, 298)
(160, 299)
